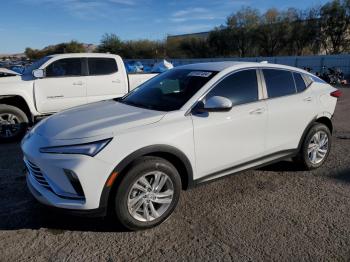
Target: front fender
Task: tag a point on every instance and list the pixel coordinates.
(15, 86)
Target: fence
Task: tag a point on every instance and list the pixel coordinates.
(316, 63)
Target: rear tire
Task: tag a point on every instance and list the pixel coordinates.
(13, 123)
(141, 204)
(316, 147)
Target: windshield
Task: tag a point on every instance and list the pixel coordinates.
(36, 64)
(168, 91)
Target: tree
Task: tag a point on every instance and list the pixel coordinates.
(241, 27)
(222, 43)
(272, 34)
(34, 54)
(195, 48)
(110, 43)
(335, 26)
(70, 47)
(143, 49)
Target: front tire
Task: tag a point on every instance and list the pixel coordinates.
(148, 194)
(316, 146)
(13, 123)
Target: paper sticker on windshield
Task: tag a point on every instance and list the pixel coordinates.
(200, 73)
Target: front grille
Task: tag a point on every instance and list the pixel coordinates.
(36, 174)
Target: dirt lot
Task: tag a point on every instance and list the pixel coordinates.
(275, 213)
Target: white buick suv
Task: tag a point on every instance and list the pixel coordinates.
(189, 125)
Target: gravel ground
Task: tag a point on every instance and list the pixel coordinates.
(276, 213)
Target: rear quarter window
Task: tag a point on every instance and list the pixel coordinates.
(299, 82)
(316, 79)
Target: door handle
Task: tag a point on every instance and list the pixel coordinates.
(79, 83)
(116, 81)
(257, 111)
(308, 99)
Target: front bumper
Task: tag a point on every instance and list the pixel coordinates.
(49, 183)
(98, 212)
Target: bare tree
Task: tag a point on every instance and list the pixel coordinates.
(272, 33)
(334, 18)
(242, 26)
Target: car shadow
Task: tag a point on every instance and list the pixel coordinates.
(342, 175)
(36, 216)
(283, 166)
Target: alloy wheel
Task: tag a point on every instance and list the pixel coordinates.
(318, 147)
(9, 125)
(150, 196)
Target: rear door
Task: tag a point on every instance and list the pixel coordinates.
(291, 107)
(104, 80)
(64, 86)
(227, 139)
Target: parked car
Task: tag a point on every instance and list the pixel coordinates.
(189, 125)
(59, 82)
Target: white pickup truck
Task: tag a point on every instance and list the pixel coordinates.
(58, 82)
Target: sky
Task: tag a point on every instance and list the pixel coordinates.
(39, 23)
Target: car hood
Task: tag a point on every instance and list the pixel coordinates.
(8, 72)
(8, 79)
(95, 120)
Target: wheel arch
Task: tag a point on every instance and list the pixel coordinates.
(322, 120)
(19, 102)
(169, 153)
(326, 121)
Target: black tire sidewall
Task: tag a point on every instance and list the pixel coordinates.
(21, 116)
(304, 152)
(139, 168)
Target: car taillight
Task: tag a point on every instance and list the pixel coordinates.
(336, 93)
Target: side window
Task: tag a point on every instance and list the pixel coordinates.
(279, 82)
(299, 82)
(65, 67)
(240, 87)
(102, 66)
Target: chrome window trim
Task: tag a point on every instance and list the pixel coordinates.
(289, 70)
(221, 79)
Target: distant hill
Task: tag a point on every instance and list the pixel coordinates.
(18, 55)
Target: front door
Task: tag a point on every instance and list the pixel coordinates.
(227, 139)
(64, 86)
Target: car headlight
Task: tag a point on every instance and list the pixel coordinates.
(89, 149)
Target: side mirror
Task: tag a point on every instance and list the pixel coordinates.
(38, 73)
(214, 104)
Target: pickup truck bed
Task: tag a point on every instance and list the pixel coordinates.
(138, 78)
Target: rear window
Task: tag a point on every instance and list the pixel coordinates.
(279, 83)
(102, 66)
(299, 82)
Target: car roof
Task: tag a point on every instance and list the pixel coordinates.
(212, 66)
(220, 66)
(83, 55)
